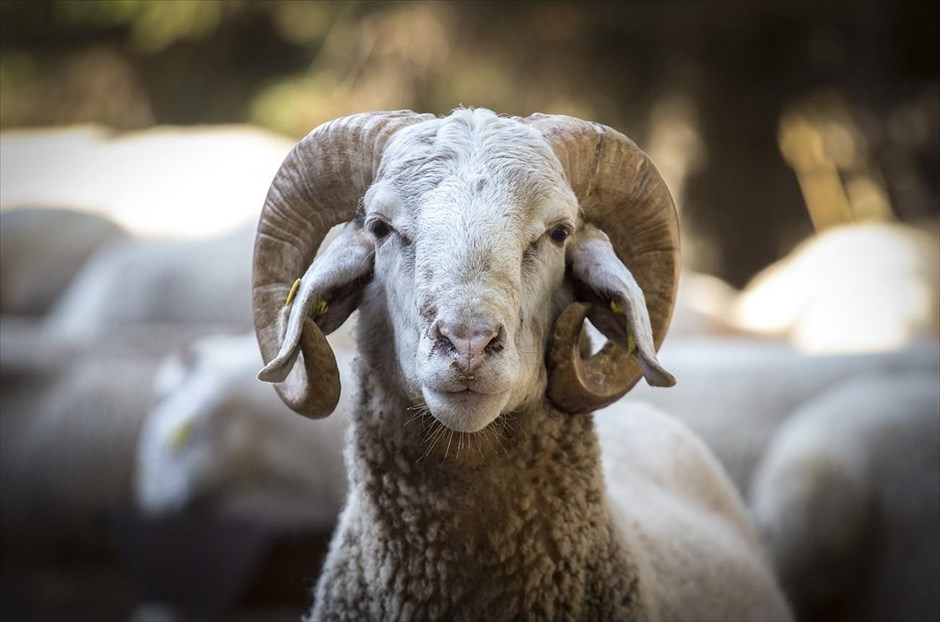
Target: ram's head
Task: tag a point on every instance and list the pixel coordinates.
(483, 241)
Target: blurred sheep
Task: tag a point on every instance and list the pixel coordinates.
(864, 287)
(220, 440)
(70, 419)
(704, 306)
(139, 280)
(41, 250)
(848, 500)
(202, 282)
(860, 288)
(735, 392)
(72, 416)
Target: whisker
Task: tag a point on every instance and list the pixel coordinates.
(498, 435)
(447, 451)
(414, 416)
(441, 430)
(420, 412)
(480, 440)
(502, 448)
(435, 430)
(509, 423)
(436, 433)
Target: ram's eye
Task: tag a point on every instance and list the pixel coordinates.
(559, 233)
(379, 228)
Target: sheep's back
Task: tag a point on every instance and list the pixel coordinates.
(684, 521)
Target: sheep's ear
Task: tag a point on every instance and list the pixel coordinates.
(327, 294)
(618, 307)
(338, 277)
(172, 371)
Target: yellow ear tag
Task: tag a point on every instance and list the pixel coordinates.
(319, 309)
(619, 309)
(179, 438)
(293, 292)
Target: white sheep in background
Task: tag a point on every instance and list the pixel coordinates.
(848, 500)
(476, 484)
(70, 414)
(857, 288)
(218, 439)
(69, 422)
(202, 285)
(704, 306)
(139, 280)
(736, 392)
(41, 250)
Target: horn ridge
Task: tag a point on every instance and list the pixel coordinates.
(320, 184)
(620, 191)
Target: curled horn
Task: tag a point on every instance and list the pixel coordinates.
(621, 193)
(319, 185)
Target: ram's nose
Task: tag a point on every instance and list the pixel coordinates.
(468, 342)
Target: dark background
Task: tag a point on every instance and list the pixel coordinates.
(708, 86)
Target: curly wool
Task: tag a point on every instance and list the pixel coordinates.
(516, 522)
(512, 524)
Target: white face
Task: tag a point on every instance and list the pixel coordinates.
(470, 216)
(198, 430)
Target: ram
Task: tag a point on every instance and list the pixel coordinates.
(475, 247)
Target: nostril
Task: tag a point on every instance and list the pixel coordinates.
(495, 345)
(443, 336)
(488, 340)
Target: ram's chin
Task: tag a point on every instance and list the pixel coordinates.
(464, 411)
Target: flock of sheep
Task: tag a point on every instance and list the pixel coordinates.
(128, 378)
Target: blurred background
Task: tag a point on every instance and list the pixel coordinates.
(146, 476)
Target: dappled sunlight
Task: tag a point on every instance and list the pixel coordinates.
(829, 153)
(677, 148)
(377, 64)
(675, 143)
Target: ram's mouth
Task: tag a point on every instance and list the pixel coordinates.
(465, 410)
(460, 392)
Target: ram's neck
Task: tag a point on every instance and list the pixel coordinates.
(507, 523)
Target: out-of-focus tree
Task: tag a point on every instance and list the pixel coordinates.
(712, 90)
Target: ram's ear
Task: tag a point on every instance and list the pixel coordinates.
(618, 307)
(327, 294)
